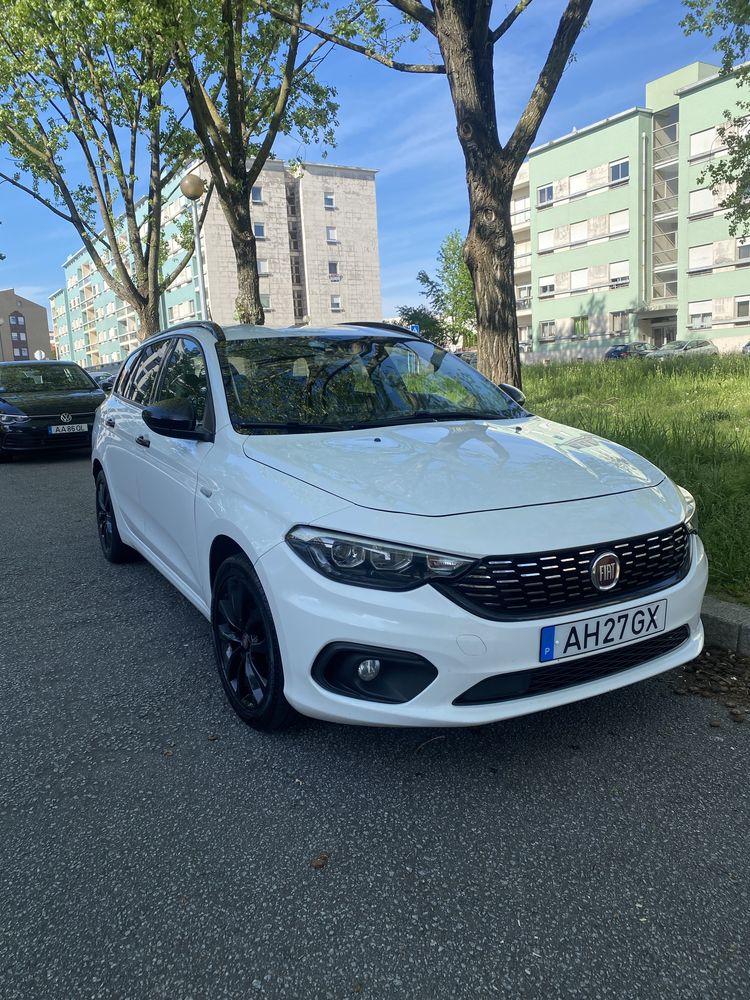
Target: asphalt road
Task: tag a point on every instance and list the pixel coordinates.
(153, 847)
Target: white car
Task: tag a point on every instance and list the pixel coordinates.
(380, 535)
(684, 349)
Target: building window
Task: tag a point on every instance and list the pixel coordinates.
(329, 199)
(578, 184)
(259, 229)
(579, 232)
(523, 297)
(619, 171)
(257, 194)
(547, 330)
(265, 300)
(331, 234)
(701, 201)
(742, 307)
(619, 274)
(335, 303)
(702, 143)
(743, 250)
(296, 269)
(701, 314)
(545, 196)
(16, 352)
(13, 319)
(263, 266)
(333, 269)
(619, 222)
(581, 328)
(547, 286)
(546, 241)
(619, 322)
(579, 280)
(701, 258)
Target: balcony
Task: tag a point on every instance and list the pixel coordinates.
(522, 304)
(522, 218)
(665, 258)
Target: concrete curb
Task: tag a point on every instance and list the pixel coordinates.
(726, 625)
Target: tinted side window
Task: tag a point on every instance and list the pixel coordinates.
(185, 377)
(125, 373)
(146, 371)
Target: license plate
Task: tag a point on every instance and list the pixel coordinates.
(68, 428)
(558, 642)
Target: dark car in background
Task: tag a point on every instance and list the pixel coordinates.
(624, 352)
(105, 380)
(46, 404)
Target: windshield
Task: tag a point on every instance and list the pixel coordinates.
(44, 378)
(338, 382)
(675, 345)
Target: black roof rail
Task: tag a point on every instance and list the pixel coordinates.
(373, 325)
(205, 324)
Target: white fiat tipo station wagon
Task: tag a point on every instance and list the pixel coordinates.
(380, 535)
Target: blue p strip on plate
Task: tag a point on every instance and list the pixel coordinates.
(547, 644)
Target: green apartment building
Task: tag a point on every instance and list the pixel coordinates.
(617, 237)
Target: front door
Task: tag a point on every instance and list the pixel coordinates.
(168, 471)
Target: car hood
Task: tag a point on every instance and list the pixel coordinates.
(457, 467)
(47, 403)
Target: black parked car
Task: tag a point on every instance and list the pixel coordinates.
(623, 352)
(45, 404)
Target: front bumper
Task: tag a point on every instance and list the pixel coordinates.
(312, 612)
(39, 438)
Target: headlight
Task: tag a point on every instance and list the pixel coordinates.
(13, 418)
(364, 562)
(690, 507)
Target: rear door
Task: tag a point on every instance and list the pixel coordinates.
(168, 468)
(127, 432)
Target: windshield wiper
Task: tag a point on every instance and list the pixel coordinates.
(421, 416)
(290, 426)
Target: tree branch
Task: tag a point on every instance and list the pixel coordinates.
(508, 21)
(417, 11)
(568, 30)
(346, 44)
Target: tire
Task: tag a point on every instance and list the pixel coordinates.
(247, 648)
(113, 547)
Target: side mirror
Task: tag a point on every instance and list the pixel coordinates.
(515, 394)
(174, 418)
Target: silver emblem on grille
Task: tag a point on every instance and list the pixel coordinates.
(66, 418)
(605, 571)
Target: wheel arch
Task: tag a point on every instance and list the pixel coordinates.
(96, 467)
(222, 547)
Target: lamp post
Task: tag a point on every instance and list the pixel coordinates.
(193, 186)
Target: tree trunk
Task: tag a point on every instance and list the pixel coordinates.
(463, 35)
(149, 321)
(247, 304)
(489, 256)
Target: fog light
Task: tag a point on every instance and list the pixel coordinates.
(368, 670)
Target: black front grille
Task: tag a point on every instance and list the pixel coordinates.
(556, 676)
(540, 583)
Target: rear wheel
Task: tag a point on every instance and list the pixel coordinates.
(247, 648)
(113, 547)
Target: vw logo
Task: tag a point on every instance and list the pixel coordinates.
(605, 571)
(66, 418)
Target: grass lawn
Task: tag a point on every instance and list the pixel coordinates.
(689, 417)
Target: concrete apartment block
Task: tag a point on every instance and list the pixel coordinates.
(24, 328)
(618, 239)
(309, 275)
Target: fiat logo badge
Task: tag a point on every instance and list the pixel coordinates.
(66, 418)
(605, 571)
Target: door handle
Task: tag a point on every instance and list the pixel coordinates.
(109, 421)
(143, 441)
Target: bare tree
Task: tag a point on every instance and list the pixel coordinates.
(467, 41)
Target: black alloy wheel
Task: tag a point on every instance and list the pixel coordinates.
(113, 547)
(247, 648)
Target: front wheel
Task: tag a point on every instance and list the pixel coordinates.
(247, 648)
(113, 547)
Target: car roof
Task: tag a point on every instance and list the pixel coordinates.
(348, 330)
(32, 361)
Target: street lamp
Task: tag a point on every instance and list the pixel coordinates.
(193, 186)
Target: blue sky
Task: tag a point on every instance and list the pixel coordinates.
(403, 126)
